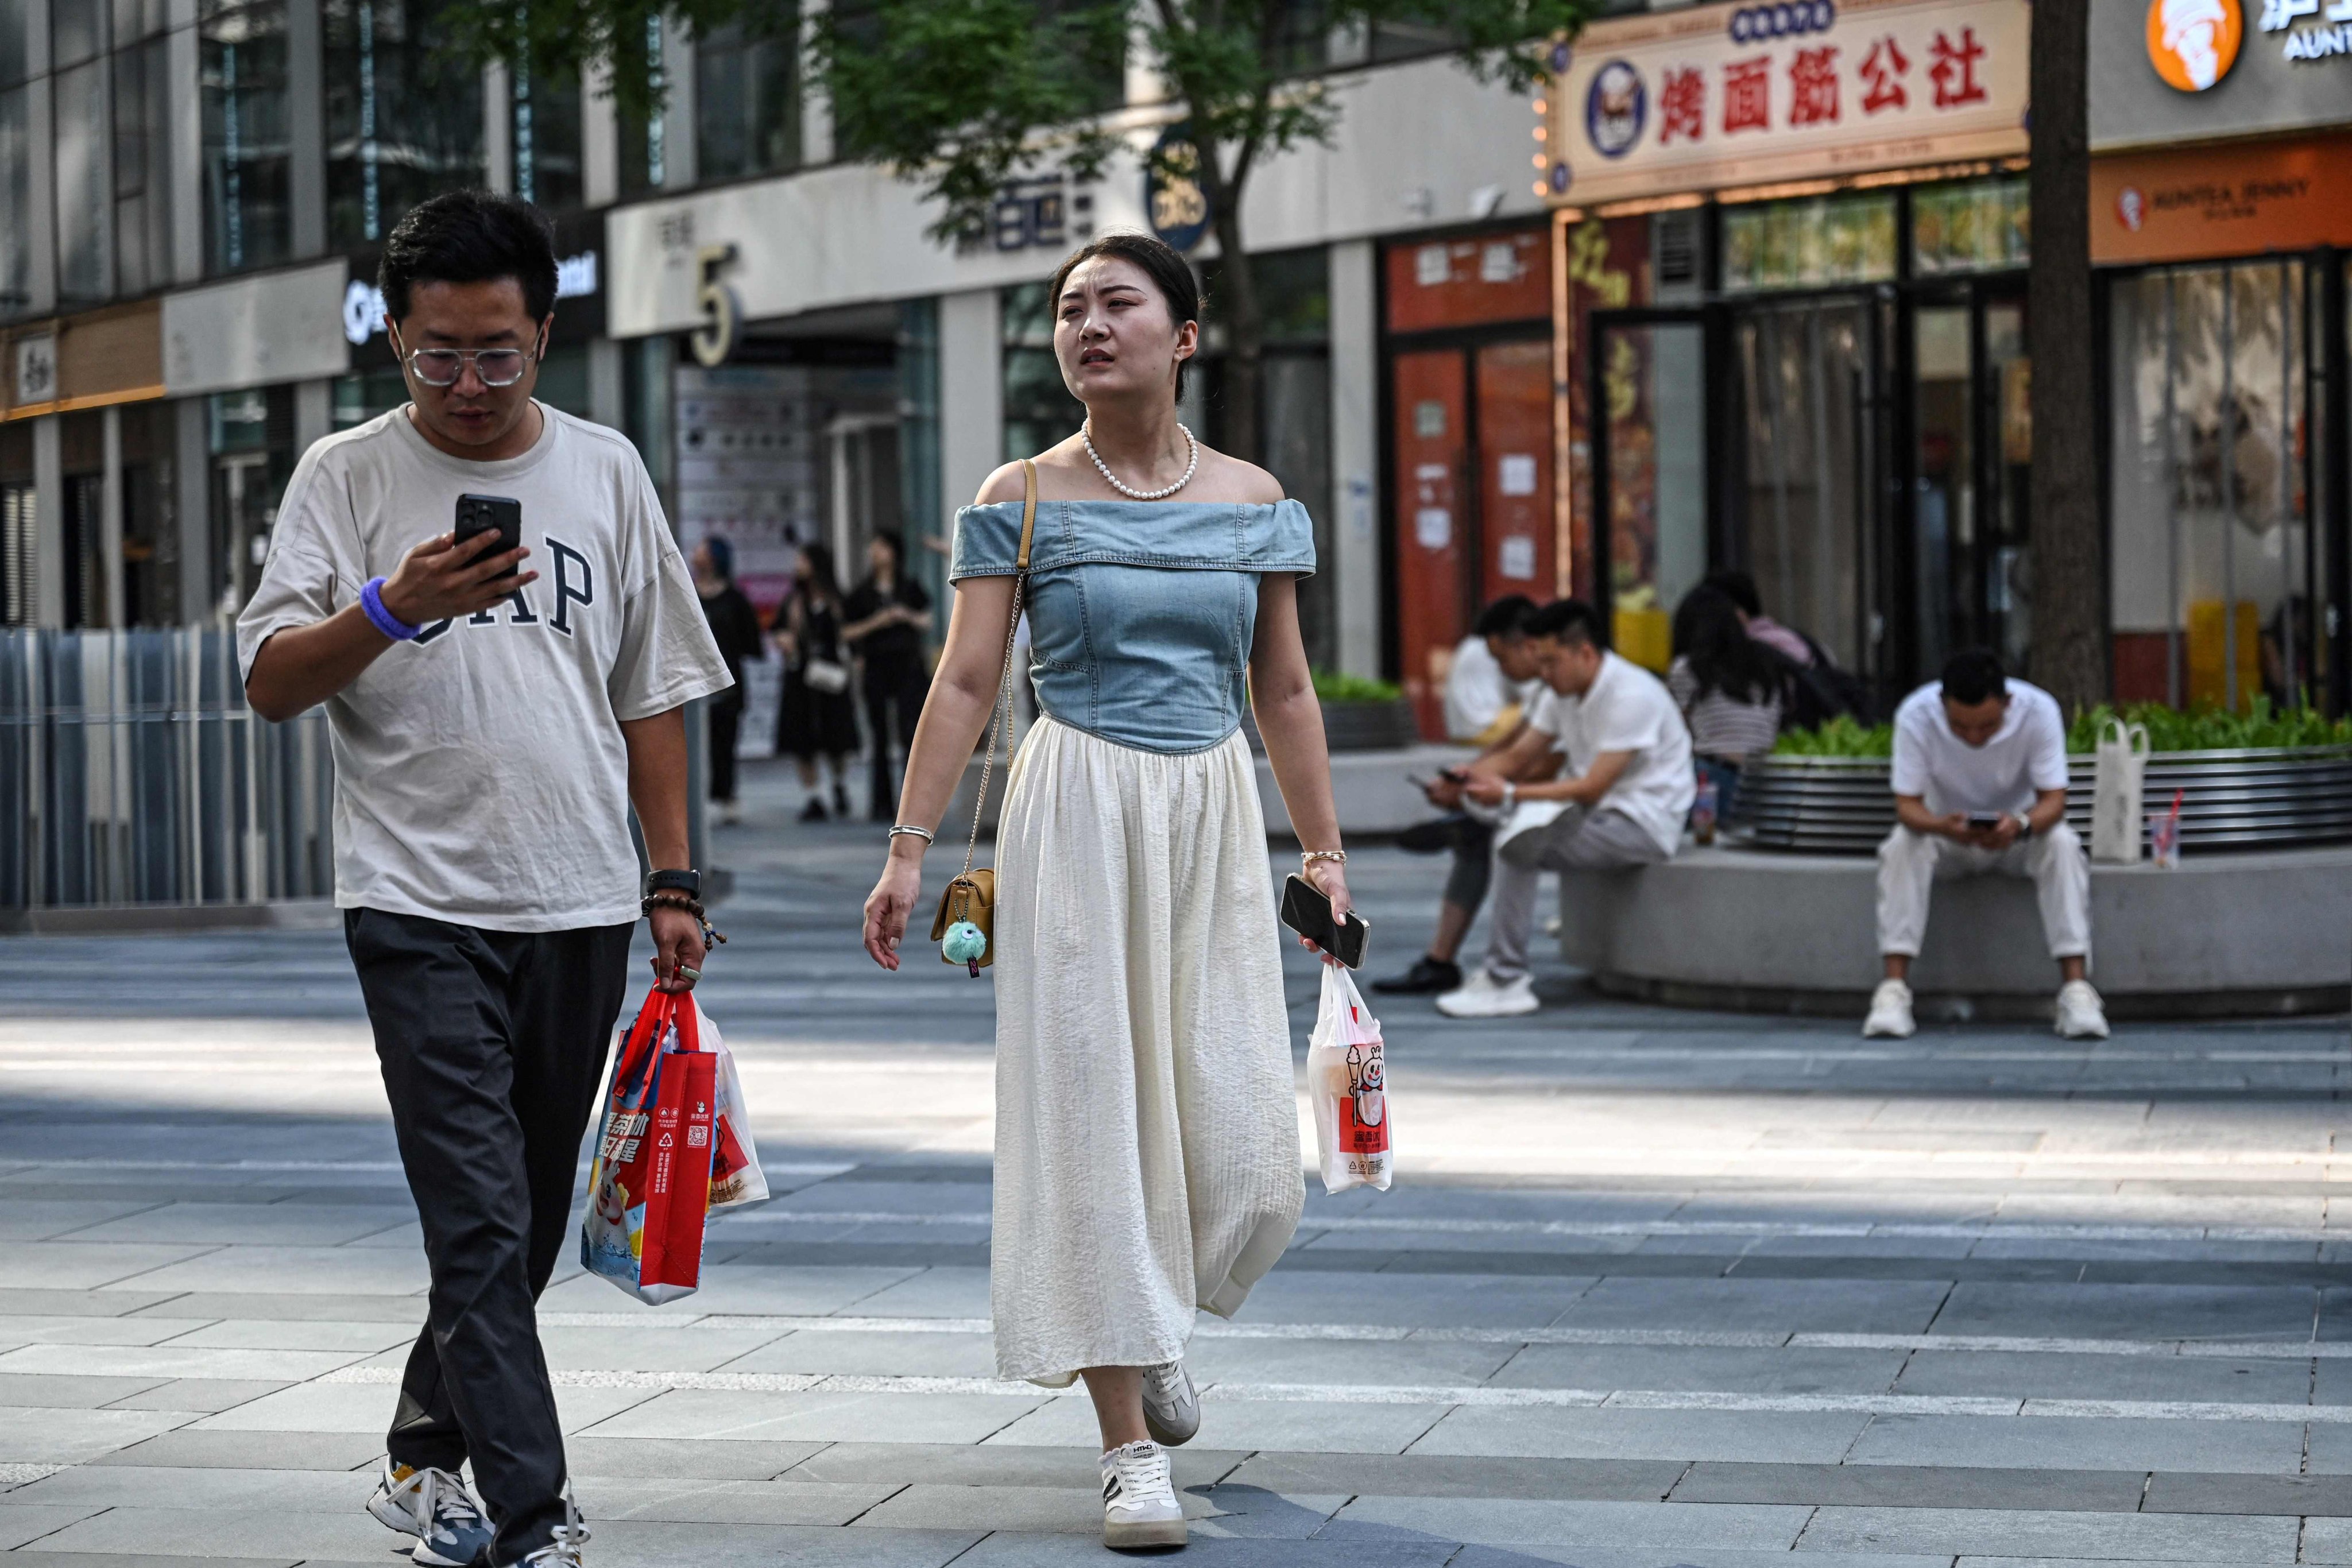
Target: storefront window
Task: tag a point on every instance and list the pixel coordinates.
(241, 44)
(364, 394)
(1809, 243)
(16, 202)
(1984, 226)
(1038, 409)
(16, 40)
(142, 206)
(252, 442)
(403, 117)
(84, 203)
(747, 98)
(76, 31)
(643, 138)
(547, 168)
(2213, 556)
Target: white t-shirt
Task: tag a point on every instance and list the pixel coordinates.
(2027, 754)
(480, 777)
(1627, 708)
(1477, 693)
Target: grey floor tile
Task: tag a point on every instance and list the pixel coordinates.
(1064, 1510)
(40, 1220)
(2188, 1492)
(87, 1265)
(645, 1543)
(938, 1292)
(269, 1224)
(345, 1534)
(2023, 1533)
(201, 1488)
(1899, 1486)
(1508, 1522)
(65, 1393)
(278, 1334)
(1802, 1438)
(1010, 1549)
(292, 1270)
(42, 1557)
(1819, 1306)
(1737, 1371)
(731, 1289)
(2129, 1312)
(2042, 1375)
(820, 1416)
(2327, 1541)
(207, 1396)
(698, 1349)
(2071, 1442)
(1390, 1363)
(727, 1502)
(73, 1437)
(994, 1464)
(308, 1306)
(163, 1361)
(1527, 1554)
(22, 1524)
(361, 1407)
(21, 1330)
(874, 1354)
(188, 1449)
(686, 1458)
(1305, 1425)
(1468, 1476)
(1411, 1300)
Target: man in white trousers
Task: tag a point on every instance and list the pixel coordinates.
(1980, 787)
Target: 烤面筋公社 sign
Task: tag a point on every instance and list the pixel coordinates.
(1740, 94)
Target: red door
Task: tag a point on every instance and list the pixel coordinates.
(1433, 569)
(1518, 532)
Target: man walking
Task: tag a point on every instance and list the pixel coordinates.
(492, 729)
(1981, 789)
(1618, 802)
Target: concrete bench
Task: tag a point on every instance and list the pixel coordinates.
(2225, 935)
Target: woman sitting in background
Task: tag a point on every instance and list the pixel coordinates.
(1732, 688)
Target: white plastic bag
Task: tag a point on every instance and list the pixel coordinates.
(735, 1174)
(1346, 1079)
(2121, 768)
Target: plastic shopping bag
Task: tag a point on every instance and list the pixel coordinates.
(1347, 1078)
(649, 1187)
(2121, 769)
(735, 1174)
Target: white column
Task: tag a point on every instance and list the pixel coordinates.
(192, 476)
(49, 522)
(816, 108)
(184, 141)
(600, 138)
(497, 130)
(972, 397)
(109, 513)
(314, 413)
(606, 388)
(1356, 456)
(681, 122)
(305, 117)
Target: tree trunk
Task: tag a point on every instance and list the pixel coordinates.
(1244, 378)
(2069, 597)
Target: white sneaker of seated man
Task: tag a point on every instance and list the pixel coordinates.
(2081, 1014)
(1484, 997)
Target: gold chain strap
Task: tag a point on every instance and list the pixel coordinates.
(1005, 680)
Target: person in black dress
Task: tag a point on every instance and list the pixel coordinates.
(817, 717)
(887, 615)
(735, 627)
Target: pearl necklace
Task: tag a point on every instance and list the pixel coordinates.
(1085, 435)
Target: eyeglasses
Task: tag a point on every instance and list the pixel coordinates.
(442, 367)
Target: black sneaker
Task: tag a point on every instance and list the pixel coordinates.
(813, 812)
(1427, 978)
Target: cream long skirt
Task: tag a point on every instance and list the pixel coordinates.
(1147, 1128)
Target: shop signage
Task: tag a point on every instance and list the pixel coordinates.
(1173, 197)
(36, 368)
(1039, 213)
(2236, 200)
(575, 278)
(2192, 44)
(1720, 95)
(2173, 71)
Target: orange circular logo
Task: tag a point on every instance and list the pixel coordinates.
(2192, 44)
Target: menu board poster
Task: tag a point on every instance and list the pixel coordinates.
(1716, 97)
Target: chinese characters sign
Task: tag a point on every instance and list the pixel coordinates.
(1732, 95)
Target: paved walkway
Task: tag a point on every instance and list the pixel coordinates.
(1655, 1289)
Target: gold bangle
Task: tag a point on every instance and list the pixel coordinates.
(1309, 857)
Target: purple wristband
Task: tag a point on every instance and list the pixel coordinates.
(383, 620)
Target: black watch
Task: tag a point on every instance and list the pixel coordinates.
(688, 883)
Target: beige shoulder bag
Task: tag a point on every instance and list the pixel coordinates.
(965, 926)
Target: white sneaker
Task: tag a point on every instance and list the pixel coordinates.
(563, 1551)
(1484, 997)
(1890, 1012)
(1139, 1506)
(1172, 1407)
(2081, 1014)
(433, 1506)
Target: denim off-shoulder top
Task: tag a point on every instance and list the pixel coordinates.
(1141, 613)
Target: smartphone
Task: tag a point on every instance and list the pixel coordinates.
(1983, 821)
(497, 515)
(1454, 775)
(1305, 910)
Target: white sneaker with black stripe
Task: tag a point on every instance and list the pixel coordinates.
(433, 1506)
(1139, 1506)
(1171, 1408)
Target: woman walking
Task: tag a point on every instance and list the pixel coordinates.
(816, 717)
(888, 613)
(735, 627)
(1147, 1142)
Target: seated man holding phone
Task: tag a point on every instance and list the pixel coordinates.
(1981, 787)
(492, 723)
(1619, 802)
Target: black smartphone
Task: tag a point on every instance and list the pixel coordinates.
(1306, 910)
(1983, 821)
(498, 514)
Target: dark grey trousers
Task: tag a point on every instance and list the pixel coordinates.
(492, 1045)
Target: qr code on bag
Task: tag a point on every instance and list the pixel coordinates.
(696, 1137)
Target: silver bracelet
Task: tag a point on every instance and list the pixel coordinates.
(922, 833)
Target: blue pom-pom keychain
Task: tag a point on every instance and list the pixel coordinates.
(964, 944)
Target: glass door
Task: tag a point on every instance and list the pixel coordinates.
(1650, 475)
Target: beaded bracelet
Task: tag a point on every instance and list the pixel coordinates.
(711, 936)
(1309, 857)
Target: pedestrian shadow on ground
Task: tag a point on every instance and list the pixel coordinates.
(1252, 1519)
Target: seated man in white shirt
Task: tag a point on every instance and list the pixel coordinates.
(1618, 802)
(1490, 688)
(1981, 787)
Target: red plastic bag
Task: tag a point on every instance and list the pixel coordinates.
(649, 1188)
